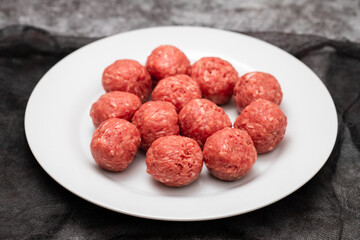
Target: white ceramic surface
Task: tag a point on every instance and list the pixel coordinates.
(59, 130)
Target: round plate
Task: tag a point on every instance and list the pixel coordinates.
(59, 129)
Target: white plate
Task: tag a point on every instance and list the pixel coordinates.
(59, 129)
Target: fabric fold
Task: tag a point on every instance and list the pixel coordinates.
(34, 206)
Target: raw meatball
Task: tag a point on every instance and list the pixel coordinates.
(114, 144)
(265, 123)
(165, 61)
(178, 90)
(256, 85)
(114, 105)
(200, 118)
(155, 119)
(175, 161)
(129, 76)
(229, 154)
(216, 78)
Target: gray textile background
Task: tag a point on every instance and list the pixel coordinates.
(334, 19)
(34, 206)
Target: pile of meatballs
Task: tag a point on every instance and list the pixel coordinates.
(182, 126)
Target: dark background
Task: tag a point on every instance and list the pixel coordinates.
(325, 35)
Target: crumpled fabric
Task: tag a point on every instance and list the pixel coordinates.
(34, 206)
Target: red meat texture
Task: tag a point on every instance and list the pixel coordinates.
(165, 61)
(185, 100)
(265, 122)
(256, 85)
(114, 144)
(178, 90)
(174, 160)
(128, 76)
(229, 154)
(200, 118)
(216, 78)
(155, 119)
(114, 105)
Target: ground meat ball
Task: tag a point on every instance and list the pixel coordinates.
(256, 85)
(165, 61)
(229, 154)
(200, 118)
(114, 144)
(265, 123)
(216, 78)
(178, 90)
(155, 119)
(174, 160)
(129, 76)
(114, 105)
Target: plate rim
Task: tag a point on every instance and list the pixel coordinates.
(43, 79)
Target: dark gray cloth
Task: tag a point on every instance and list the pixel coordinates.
(34, 206)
